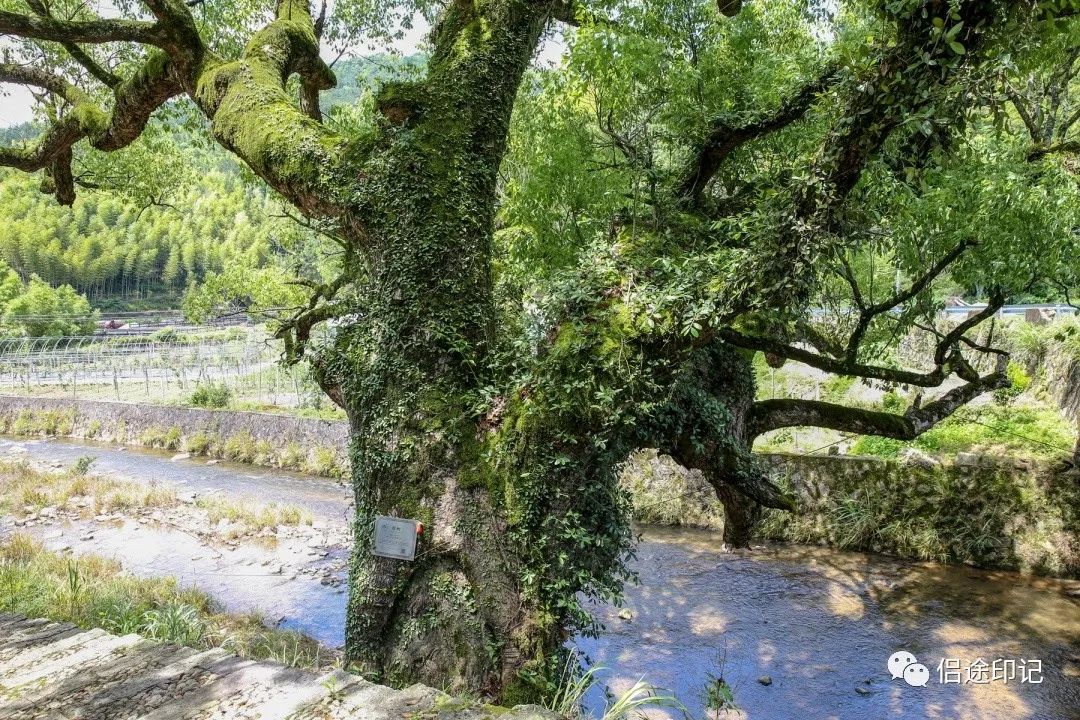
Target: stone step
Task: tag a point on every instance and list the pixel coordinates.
(46, 649)
(56, 672)
(140, 695)
(32, 632)
(80, 688)
(89, 654)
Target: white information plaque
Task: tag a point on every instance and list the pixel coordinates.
(394, 538)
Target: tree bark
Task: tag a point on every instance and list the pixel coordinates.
(414, 362)
(707, 425)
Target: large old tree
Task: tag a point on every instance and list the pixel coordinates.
(504, 329)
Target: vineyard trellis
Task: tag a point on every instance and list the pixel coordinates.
(155, 368)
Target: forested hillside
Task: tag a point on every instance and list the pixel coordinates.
(109, 246)
(125, 250)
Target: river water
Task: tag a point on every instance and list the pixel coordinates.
(819, 623)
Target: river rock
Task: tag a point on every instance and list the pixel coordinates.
(911, 457)
(765, 680)
(625, 614)
(967, 459)
(180, 456)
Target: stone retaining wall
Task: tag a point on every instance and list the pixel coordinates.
(978, 510)
(307, 444)
(974, 509)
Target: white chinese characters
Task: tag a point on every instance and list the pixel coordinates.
(951, 671)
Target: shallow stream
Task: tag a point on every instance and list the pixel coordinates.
(817, 625)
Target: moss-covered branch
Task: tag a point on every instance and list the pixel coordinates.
(80, 31)
(769, 415)
(255, 117)
(136, 98)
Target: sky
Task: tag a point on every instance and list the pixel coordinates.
(15, 105)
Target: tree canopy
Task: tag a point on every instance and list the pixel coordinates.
(529, 273)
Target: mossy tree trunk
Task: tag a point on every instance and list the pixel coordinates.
(415, 360)
(708, 428)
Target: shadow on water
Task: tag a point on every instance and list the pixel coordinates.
(822, 623)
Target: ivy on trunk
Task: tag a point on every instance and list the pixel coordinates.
(502, 431)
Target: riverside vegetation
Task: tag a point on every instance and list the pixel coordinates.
(521, 276)
(94, 592)
(241, 446)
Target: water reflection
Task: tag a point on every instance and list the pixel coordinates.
(821, 625)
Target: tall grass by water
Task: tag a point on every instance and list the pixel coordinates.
(25, 490)
(94, 592)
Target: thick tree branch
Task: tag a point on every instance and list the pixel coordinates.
(947, 357)
(77, 53)
(253, 115)
(1040, 151)
(947, 343)
(81, 31)
(723, 138)
(768, 415)
(136, 98)
(831, 365)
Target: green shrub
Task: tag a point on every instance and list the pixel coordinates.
(23, 423)
(175, 622)
(82, 465)
(893, 402)
(292, 457)
(165, 335)
(324, 462)
(240, 448)
(264, 453)
(198, 444)
(836, 387)
(1019, 381)
(210, 395)
(153, 437)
